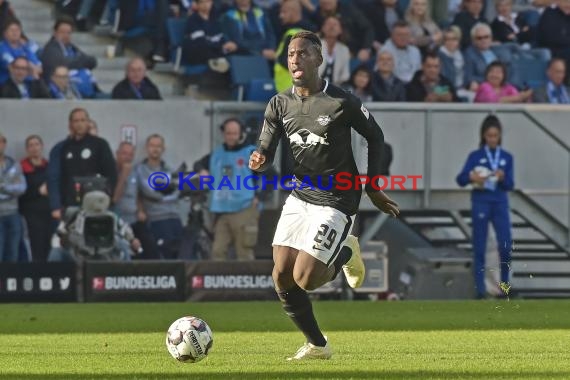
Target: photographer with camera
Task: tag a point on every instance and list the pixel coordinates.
(236, 211)
(159, 207)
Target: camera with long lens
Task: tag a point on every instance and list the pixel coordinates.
(91, 225)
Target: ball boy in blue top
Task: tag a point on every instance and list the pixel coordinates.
(490, 170)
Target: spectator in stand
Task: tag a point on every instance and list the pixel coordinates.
(358, 31)
(407, 57)
(510, 26)
(203, 37)
(426, 35)
(292, 22)
(13, 46)
(6, 13)
(85, 14)
(280, 26)
(34, 204)
(478, 56)
(20, 86)
(452, 61)
(382, 15)
(336, 56)
(250, 29)
(360, 83)
(554, 92)
(468, 18)
(61, 87)
(60, 51)
(554, 30)
(159, 208)
(83, 155)
(495, 89)
(149, 14)
(12, 185)
(136, 85)
(386, 87)
(429, 85)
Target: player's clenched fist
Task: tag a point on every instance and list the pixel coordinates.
(256, 160)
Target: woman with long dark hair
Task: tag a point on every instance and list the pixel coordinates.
(489, 170)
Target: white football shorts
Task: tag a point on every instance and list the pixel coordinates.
(320, 231)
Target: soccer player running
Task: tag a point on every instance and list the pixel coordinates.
(312, 242)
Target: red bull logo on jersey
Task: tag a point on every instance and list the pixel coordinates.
(305, 138)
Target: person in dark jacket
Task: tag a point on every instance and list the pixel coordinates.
(359, 32)
(554, 30)
(382, 14)
(489, 170)
(84, 155)
(34, 203)
(148, 14)
(466, 20)
(19, 86)
(60, 51)
(386, 87)
(136, 85)
(428, 85)
(510, 26)
(203, 37)
(6, 13)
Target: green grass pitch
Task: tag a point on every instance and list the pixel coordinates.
(371, 340)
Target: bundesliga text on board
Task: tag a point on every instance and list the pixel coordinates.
(232, 282)
(108, 283)
(341, 181)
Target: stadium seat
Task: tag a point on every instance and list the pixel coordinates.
(244, 69)
(529, 73)
(260, 90)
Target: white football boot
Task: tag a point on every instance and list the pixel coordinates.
(310, 351)
(354, 270)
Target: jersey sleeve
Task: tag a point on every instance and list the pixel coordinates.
(270, 134)
(363, 123)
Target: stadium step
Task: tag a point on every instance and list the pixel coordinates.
(540, 267)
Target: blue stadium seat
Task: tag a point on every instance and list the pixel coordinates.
(260, 90)
(529, 73)
(244, 69)
(175, 28)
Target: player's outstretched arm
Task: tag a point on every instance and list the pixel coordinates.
(384, 203)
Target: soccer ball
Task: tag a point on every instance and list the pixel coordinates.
(189, 339)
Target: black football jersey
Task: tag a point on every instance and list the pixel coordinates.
(318, 128)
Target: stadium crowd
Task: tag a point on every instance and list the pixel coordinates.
(382, 50)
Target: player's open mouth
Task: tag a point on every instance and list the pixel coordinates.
(297, 74)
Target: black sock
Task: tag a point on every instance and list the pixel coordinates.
(298, 307)
(343, 256)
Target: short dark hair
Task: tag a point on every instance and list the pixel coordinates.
(500, 65)
(491, 121)
(400, 24)
(64, 20)
(430, 55)
(33, 137)
(554, 60)
(311, 37)
(155, 136)
(11, 21)
(76, 110)
(233, 120)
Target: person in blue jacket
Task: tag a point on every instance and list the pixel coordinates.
(489, 170)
